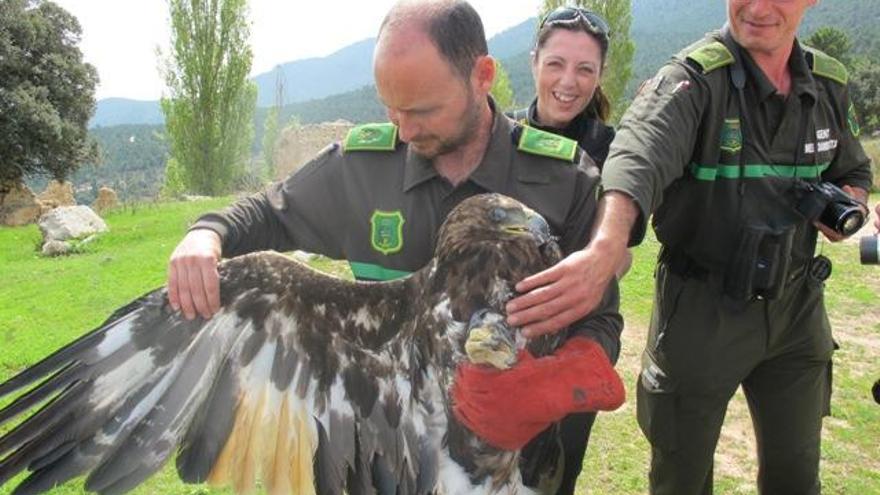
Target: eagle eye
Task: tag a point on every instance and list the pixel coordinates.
(498, 214)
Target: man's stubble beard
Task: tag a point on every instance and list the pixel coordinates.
(470, 123)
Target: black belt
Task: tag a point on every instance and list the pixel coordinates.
(683, 265)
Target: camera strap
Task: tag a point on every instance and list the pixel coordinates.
(738, 80)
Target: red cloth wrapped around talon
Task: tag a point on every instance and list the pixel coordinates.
(507, 408)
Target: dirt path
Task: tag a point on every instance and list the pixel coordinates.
(735, 456)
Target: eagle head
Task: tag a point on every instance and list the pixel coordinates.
(489, 243)
(488, 221)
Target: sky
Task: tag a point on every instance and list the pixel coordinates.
(121, 37)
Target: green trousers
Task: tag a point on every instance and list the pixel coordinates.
(701, 347)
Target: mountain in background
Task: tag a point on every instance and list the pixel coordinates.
(306, 83)
(339, 86)
(311, 78)
(120, 111)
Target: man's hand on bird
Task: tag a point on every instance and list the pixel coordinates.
(566, 292)
(193, 280)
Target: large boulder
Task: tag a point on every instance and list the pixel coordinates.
(56, 248)
(19, 206)
(106, 200)
(299, 144)
(70, 222)
(57, 194)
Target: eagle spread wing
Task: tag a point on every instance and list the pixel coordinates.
(303, 383)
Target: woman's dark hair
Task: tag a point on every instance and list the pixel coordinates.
(599, 106)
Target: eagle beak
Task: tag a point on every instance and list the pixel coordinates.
(531, 223)
(539, 228)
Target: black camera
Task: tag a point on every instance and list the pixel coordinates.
(832, 207)
(869, 250)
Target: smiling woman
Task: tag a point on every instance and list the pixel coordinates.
(567, 64)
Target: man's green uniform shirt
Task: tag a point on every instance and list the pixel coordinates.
(677, 152)
(373, 202)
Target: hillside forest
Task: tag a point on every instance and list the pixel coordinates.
(132, 157)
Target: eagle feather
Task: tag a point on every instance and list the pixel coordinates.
(301, 383)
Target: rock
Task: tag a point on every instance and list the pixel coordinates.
(299, 144)
(70, 222)
(195, 197)
(56, 248)
(106, 200)
(57, 194)
(19, 206)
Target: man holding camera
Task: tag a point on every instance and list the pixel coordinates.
(743, 147)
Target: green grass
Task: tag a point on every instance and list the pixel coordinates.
(872, 148)
(45, 303)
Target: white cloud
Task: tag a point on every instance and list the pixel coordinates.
(120, 37)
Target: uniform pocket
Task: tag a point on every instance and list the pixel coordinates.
(655, 404)
(829, 384)
(666, 300)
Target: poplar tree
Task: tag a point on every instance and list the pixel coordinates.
(501, 91)
(210, 106)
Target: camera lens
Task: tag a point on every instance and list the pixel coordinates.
(844, 219)
(869, 250)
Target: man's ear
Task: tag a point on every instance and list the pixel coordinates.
(484, 73)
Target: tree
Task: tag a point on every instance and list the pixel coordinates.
(865, 93)
(501, 90)
(47, 93)
(618, 63)
(272, 126)
(209, 112)
(271, 133)
(864, 73)
(833, 42)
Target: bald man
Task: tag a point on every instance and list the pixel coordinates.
(378, 197)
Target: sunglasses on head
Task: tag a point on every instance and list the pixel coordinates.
(594, 21)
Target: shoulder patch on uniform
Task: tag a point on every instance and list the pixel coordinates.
(543, 143)
(711, 56)
(827, 66)
(371, 137)
(853, 121)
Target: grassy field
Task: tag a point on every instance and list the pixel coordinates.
(45, 303)
(872, 148)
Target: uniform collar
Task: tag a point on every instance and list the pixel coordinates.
(574, 130)
(802, 82)
(492, 172)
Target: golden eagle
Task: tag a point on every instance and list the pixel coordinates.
(302, 383)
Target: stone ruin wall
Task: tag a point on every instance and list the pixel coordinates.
(299, 144)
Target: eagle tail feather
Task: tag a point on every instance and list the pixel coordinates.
(426, 479)
(210, 428)
(60, 380)
(37, 435)
(156, 422)
(52, 364)
(329, 478)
